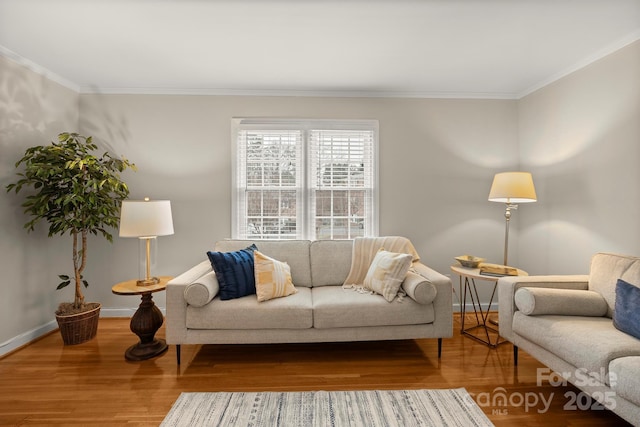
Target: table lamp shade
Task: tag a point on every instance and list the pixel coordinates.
(512, 187)
(146, 218)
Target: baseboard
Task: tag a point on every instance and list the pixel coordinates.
(123, 312)
(469, 307)
(28, 337)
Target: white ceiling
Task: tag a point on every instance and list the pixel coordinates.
(431, 48)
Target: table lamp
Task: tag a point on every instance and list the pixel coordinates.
(146, 219)
(511, 188)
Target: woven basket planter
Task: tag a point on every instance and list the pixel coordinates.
(79, 328)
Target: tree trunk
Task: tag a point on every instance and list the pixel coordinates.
(79, 262)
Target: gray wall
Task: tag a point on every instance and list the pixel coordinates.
(579, 136)
(33, 110)
(437, 159)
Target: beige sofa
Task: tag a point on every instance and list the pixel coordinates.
(321, 310)
(566, 323)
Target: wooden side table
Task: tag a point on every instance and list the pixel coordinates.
(146, 320)
(468, 277)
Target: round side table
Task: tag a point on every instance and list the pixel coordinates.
(146, 320)
(468, 277)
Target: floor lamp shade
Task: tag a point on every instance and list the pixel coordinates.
(511, 188)
(146, 220)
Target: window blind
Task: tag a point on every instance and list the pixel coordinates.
(342, 183)
(296, 179)
(270, 176)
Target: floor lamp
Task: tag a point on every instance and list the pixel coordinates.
(511, 188)
(146, 219)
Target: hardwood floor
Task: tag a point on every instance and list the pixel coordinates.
(46, 383)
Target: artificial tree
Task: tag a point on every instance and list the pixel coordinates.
(75, 192)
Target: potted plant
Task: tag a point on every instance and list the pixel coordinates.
(78, 193)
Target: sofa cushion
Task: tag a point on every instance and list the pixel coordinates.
(334, 307)
(588, 343)
(566, 302)
(624, 377)
(293, 252)
(626, 315)
(386, 273)
(203, 290)
(330, 261)
(234, 271)
(273, 278)
(419, 288)
(292, 312)
(606, 269)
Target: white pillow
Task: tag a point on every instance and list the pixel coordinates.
(202, 290)
(386, 273)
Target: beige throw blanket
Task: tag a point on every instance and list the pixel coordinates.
(365, 250)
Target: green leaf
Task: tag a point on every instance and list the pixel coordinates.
(71, 189)
(63, 277)
(86, 284)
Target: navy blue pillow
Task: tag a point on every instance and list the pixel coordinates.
(626, 314)
(234, 271)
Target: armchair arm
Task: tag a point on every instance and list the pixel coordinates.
(507, 287)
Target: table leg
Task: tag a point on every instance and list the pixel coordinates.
(463, 308)
(482, 317)
(145, 323)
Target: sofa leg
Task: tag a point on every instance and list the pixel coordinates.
(178, 353)
(439, 348)
(515, 355)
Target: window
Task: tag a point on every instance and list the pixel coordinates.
(296, 179)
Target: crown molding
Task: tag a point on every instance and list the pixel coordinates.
(608, 50)
(296, 93)
(38, 69)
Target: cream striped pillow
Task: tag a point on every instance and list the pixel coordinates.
(273, 277)
(386, 273)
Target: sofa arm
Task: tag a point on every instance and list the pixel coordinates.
(176, 318)
(443, 302)
(507, 287)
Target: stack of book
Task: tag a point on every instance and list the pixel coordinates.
(497, 270)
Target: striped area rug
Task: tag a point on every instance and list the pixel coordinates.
(402, 408)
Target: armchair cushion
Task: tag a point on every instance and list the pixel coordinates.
(203, 290)
(565, 302)
(626, 315)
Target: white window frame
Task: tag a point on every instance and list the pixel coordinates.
(306, 227)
